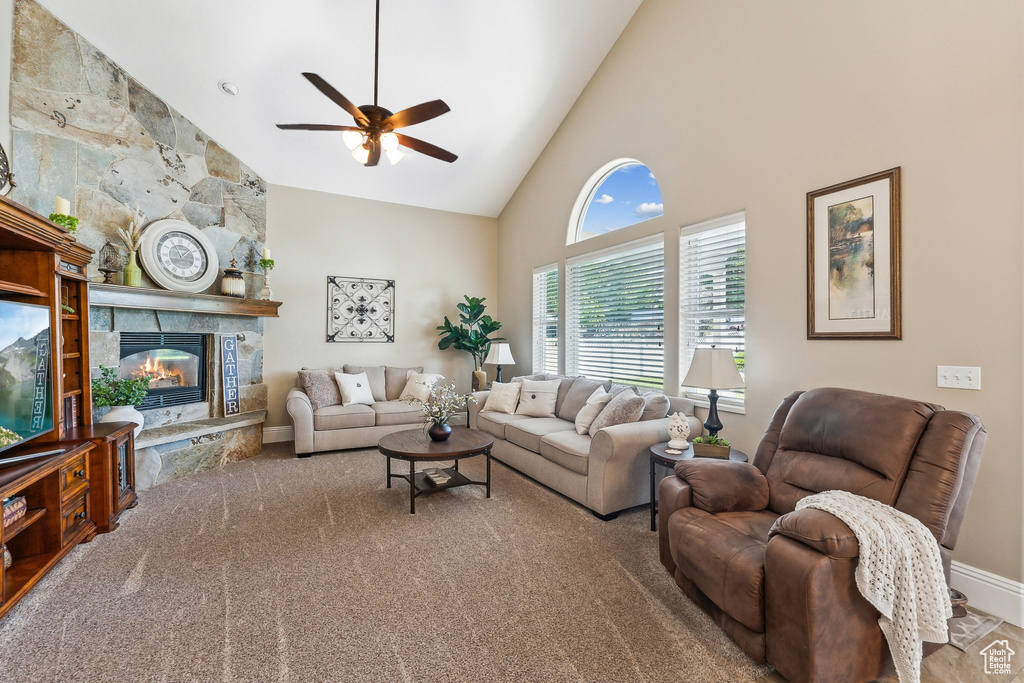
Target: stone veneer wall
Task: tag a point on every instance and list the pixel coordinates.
(85, 130)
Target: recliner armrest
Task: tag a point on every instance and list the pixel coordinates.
(819, 530)
(724, 485)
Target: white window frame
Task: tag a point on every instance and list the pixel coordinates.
(542, 321)
(730, 400)
(586, 195)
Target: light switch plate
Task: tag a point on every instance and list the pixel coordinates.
(958, 377)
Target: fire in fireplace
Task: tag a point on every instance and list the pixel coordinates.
(174, 363)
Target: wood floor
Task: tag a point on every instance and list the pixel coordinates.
(950, 665)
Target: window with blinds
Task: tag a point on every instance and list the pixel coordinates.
(712, 288)
(615, 314)
(545, 319)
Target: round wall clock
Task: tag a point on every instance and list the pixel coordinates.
(178, 256)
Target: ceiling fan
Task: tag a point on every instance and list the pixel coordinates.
(374, 129)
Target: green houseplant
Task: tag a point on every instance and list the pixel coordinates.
(709, 446)
(121, 395)
(473, 334)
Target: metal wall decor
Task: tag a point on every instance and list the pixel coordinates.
(360, 310)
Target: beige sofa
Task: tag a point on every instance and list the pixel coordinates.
(337, 427)
(606, 473)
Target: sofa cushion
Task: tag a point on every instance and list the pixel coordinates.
(343, 417)
(503, 398)
(537, 398)
(419, 385)
(729, 569)
(595, 404)
(581, 389)
(321, 388)
(394, 381)
(494, 423)
(568, 449)
(375, 375)
(624, 407)
(565, 384)
(355, 389)
(528, 433)
(397, 413)
(655, 405)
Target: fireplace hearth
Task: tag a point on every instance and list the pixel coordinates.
(173, 362)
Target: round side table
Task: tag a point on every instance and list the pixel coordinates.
(660, 456)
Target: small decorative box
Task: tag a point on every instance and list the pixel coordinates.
(14, 510)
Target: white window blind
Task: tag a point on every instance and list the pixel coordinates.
(615, 315)
(545, 319)
(712, 294)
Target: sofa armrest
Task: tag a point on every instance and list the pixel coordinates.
(475, 408)
(301, 412)
(619, 464)
(819, 530)
(724, 485)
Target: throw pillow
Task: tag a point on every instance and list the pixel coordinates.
(355, 389)
(419, 385)
(375, 374)
(503, 398)
(538, 398)
(580, 391)
(321, 388)
(624, 407)
(591, 409)
(655, 405)
(395, 379)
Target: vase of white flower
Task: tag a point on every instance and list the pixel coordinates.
(441, 406)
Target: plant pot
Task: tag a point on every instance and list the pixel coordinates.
(439, 432)
(125, 414)
(706, 450)
(131, 276)
(479, 380)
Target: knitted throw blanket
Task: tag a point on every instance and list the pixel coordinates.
(899, 573)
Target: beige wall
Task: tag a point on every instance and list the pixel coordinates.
(434, 257)
(750, 105)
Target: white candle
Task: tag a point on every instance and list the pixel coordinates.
(266, 253)
(63, 206)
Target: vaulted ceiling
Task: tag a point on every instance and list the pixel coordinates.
(510, 71)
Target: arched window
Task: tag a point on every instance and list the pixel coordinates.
(623, 192)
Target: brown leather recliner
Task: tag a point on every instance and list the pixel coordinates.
(781, 583)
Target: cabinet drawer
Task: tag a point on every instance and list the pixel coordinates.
(73, 515)
(73, 475)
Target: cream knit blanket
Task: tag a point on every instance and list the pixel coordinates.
(899, 573)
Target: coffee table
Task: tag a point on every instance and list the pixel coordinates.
(414, 445)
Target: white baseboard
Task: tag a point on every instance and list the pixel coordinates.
(989, 592)
(277, 434)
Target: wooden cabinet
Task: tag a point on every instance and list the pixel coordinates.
(111, 470)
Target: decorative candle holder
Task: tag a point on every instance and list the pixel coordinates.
(233, 283)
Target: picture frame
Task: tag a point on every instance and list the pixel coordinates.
(360, 309)
(853, 259)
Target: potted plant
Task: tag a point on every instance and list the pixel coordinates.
(440, 407)
(709, 446)
(472, 335)
(131, 276)
(121, 395)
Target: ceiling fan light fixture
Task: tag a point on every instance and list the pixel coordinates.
(389, 142)
(352, 139)
(361, 154)
(394, 156)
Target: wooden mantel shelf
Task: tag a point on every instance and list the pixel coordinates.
(119, 296)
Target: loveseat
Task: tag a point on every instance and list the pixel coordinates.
(322, 423)
(606, 472)
(780, 581)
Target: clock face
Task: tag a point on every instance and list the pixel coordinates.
(178, 256)
(182, 256)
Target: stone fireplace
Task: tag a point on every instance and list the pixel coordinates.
(174, 363)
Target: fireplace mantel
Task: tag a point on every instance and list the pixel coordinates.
(119, 296)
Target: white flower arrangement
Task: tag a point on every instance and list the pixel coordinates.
(442, 403)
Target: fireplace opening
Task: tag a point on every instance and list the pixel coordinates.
(173, 362)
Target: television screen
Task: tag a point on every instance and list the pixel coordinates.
(26, 407)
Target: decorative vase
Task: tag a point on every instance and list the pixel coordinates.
(233, 283)
(266, 294)
(479, 380)
(679, 431)
(125, 414)
(131, 276)
(439, 432)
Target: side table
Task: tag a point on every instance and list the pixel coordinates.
(659, 456)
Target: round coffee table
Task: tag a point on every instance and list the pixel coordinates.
(414, 445)
(660, 456)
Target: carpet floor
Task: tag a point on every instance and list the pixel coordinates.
(281, 569)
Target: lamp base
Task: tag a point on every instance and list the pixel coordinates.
(713, 424)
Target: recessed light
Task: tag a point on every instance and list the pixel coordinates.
(228, 88)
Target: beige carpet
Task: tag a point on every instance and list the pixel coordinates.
(280, 569)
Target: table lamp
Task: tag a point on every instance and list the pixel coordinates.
(500, 354)
(713, 368)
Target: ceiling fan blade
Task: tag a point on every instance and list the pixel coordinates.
(426, 148)
(336, 97)
(316, 126)
(418, 114)
(374, 153)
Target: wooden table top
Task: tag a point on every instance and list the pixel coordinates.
(414, 444)
(658, 451)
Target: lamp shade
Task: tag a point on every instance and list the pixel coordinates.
(500, 354)
(713, 368)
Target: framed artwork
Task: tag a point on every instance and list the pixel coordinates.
(360, 309)
(853, 259)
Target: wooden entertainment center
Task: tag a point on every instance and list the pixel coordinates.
(81, 491)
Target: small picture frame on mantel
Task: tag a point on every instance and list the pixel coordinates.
(853, 259)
